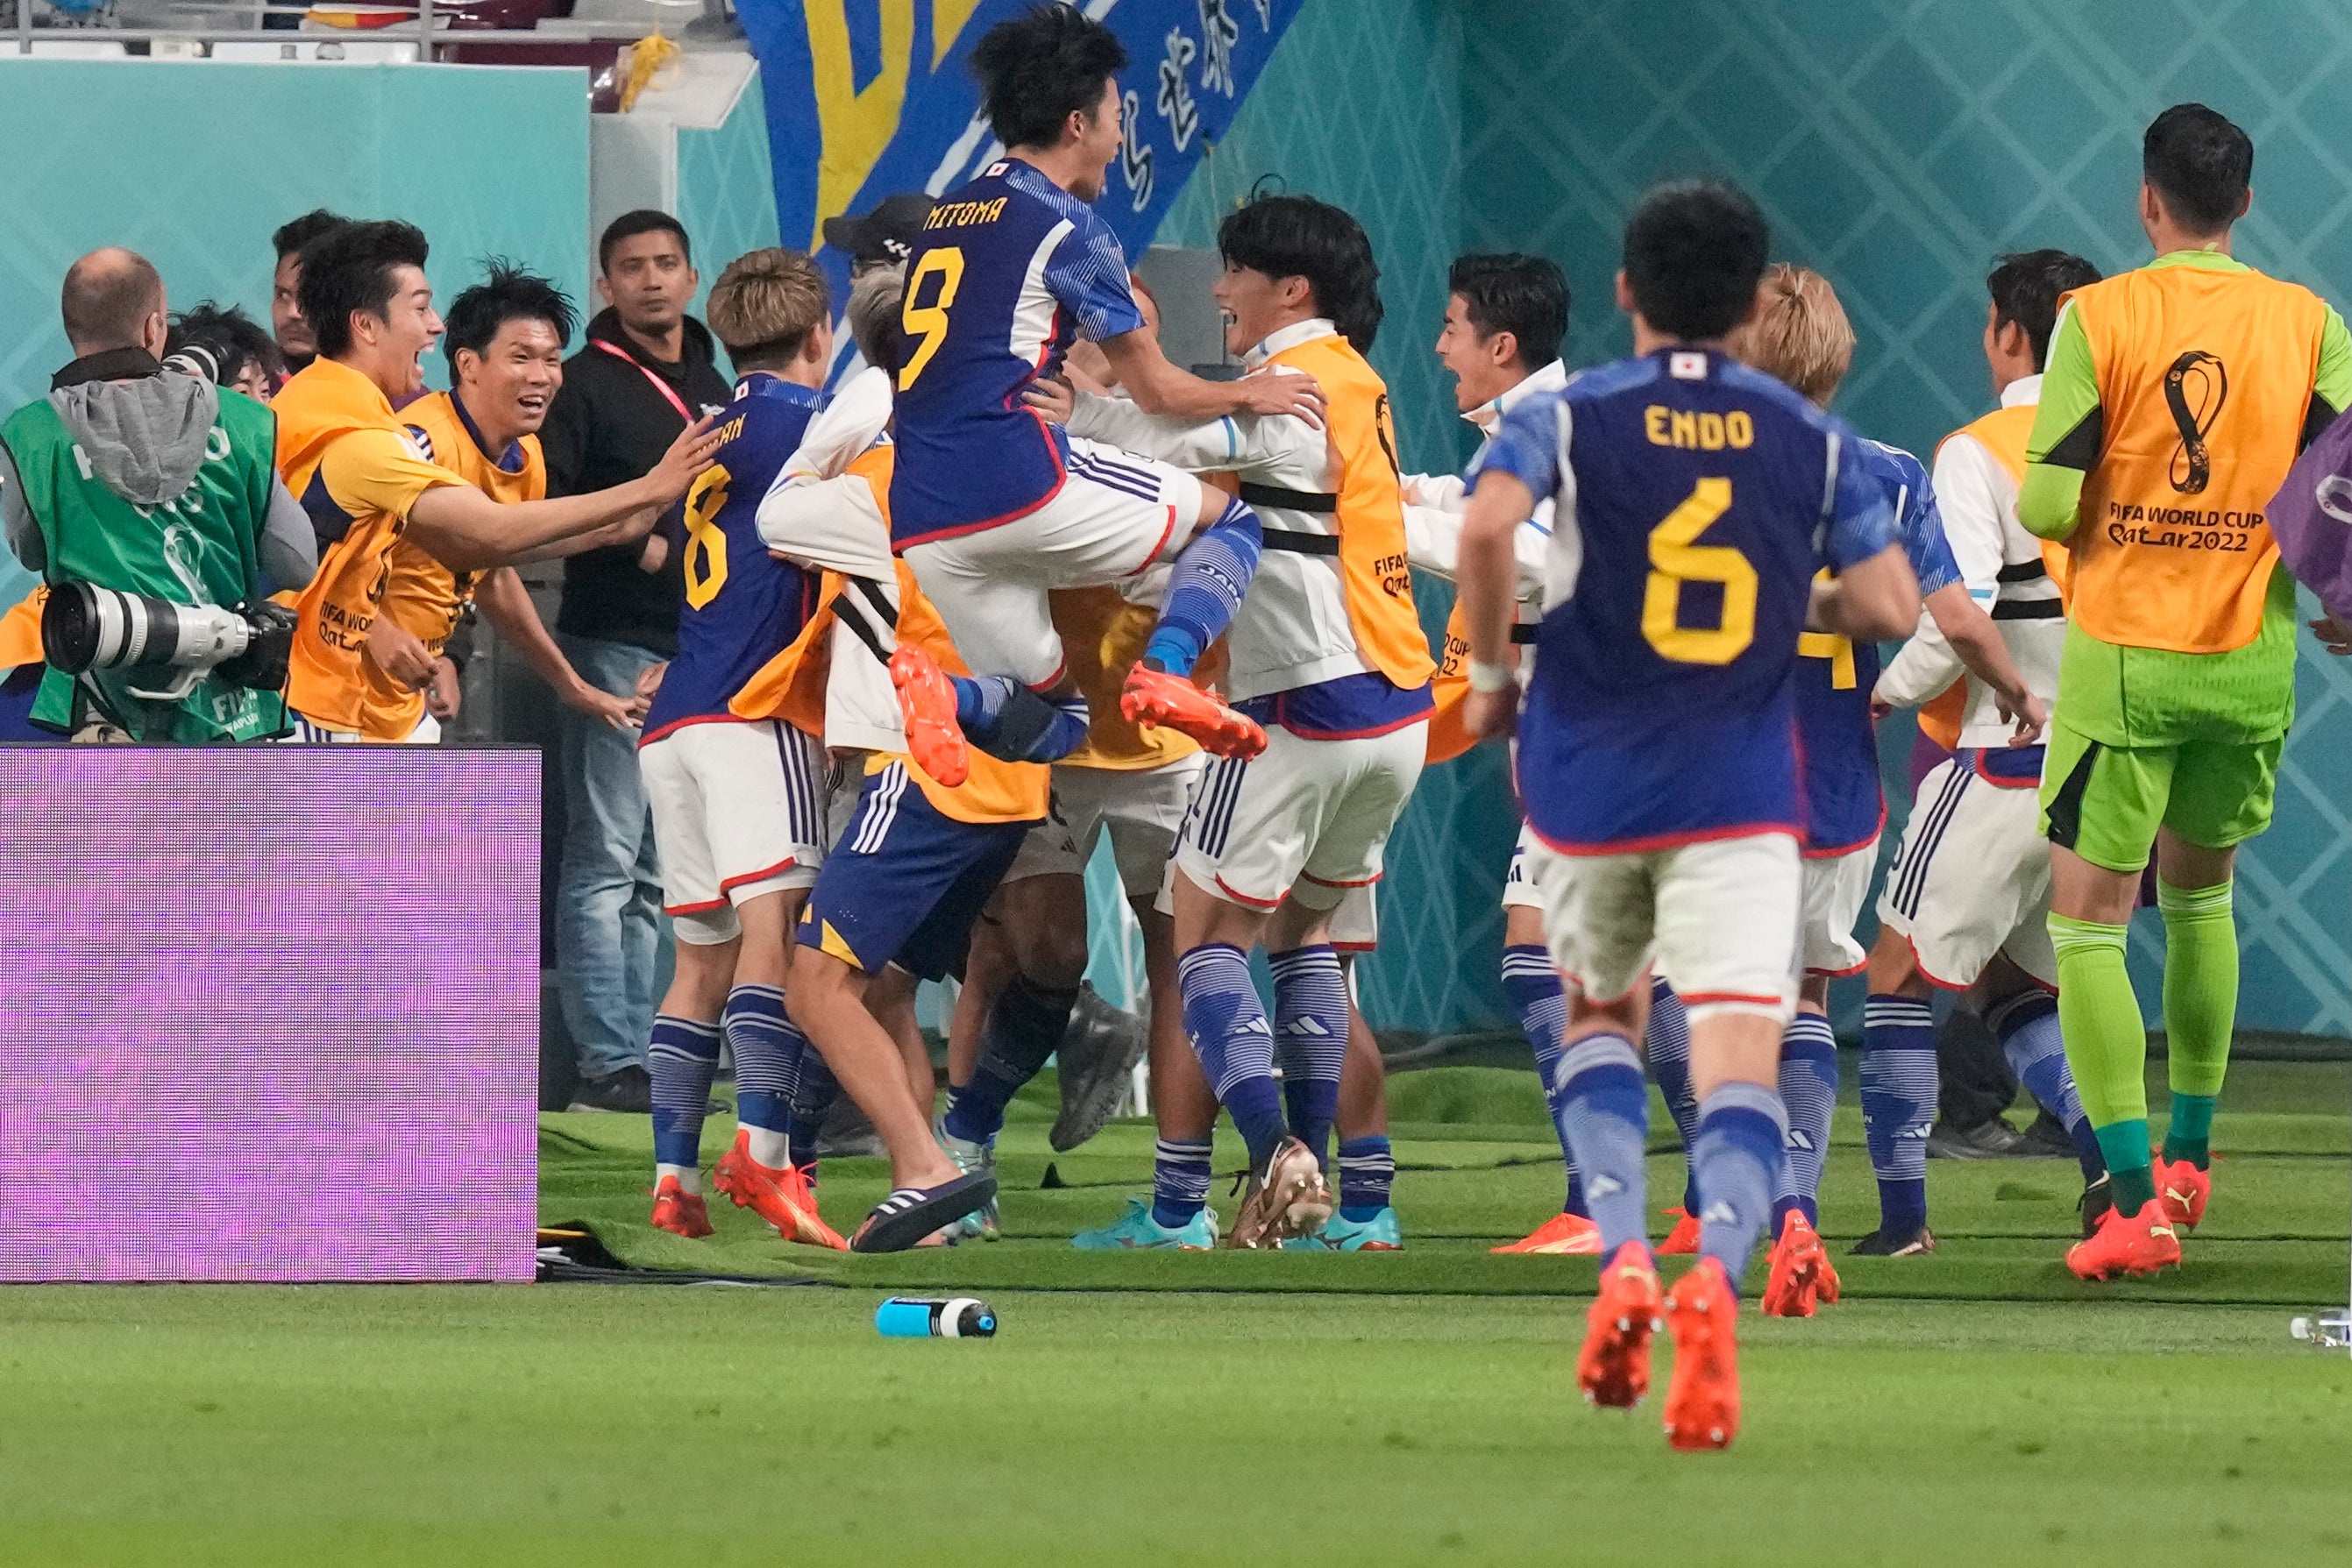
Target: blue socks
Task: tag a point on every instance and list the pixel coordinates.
(1310, 1033)
(813, 1091)
(1736, 1155)
(1180, 1181)
(1533, 986)
(1604, 1119)
(1366, 1172)
(1024, 1028)
(682, 1059)
(1666, 1039)
(1205, 589)
(1809, 1084)
(1898, 1103)
(766, 1062)
(1009, 721)
(2027, 1027)
(1228, 1029)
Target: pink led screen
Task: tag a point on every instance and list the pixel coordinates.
(268, 1013)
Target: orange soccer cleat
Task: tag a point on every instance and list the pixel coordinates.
(2183, 1190)
(1156, 697)
(681, 1212)
(1682, 1242)
(1801, 1273)
(927, 701)
(2133, 1244)
(1613, 1368)
(1570, 1235)
(777, 1194)
(1703, 1395)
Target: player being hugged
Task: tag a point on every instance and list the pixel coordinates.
(1694, 502)
(737, 792)
(990, 503)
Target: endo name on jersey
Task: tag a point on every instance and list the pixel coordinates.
(1006, 273)
(1693, 501)
(743, 606)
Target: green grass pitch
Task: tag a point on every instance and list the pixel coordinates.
(1972, 1407)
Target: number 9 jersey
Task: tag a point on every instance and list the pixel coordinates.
(743, 606)
(1695, 500)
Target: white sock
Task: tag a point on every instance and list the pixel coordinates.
(774, 1150)
(689, 1177)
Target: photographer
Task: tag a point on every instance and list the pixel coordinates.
(154, 482)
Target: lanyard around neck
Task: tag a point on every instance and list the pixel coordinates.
(670, 393)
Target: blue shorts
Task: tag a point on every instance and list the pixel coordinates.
(907, 882)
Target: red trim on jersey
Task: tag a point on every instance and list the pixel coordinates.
(1856, 847)
(674, 726)
(1373, 734)
(1667, 840)
(1243, 898)
(1354, 947)
(1050, 682)
(677, 909)
(1365, 881)
(1061, 477)
(1976, 766)
(1725, 998)
(1939, 983)
(1839, 974)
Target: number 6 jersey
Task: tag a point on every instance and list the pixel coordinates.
(743, 607)
(1693, 501)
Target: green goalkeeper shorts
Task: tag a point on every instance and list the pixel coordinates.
(2105, 802)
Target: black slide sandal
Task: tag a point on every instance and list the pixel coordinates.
(911, 1213)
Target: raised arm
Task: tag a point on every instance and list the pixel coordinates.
(1158, 387)
(468, 531)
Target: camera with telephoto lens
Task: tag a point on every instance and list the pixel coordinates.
(85, 627)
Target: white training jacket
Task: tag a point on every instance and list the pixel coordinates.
(2002, 566)
(1434, 504)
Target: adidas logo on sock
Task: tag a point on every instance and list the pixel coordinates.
(1307, 1026)
(1719, 1214)
(1602, 1187)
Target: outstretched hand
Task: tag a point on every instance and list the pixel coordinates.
(685, 461)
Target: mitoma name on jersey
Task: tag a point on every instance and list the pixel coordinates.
(963, 214)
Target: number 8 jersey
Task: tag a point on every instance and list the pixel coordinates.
(1695, 499)
(743, 607)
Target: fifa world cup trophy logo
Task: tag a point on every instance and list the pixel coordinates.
(2195, 388)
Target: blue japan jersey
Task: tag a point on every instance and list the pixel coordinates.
(1845, 806)
(1693, 500)
(743, 606)
(1008, 271)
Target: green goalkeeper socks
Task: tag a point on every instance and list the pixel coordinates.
(2201, 1008)
(2107, 1046)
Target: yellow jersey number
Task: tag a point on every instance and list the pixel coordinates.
(705, 562)
(1676, 559)
(1837, 650)
(928, 323)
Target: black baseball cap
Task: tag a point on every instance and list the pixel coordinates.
(886, 234)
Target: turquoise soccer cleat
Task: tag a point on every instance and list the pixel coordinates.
(1381, 1233)
(1136, 1228)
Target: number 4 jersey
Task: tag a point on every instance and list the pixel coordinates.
(743, 606)
(1695, 499)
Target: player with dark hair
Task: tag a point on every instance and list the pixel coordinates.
(993, 505)
(1327, 653)
(347, 457)
(228, 347)
(2177, 397)
(296, 344)
(1966, 902)
(1656, 755)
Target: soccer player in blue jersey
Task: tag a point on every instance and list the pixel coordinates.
(738, 791)
(1694, 502)
(993, 505)
(1800, 335)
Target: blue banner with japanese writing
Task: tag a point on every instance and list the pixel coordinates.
(866, 98)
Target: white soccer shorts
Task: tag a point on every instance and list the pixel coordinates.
(1303, 817)
(1718, 918)
(739, 811)
(1142, 809)
(1836, 887)
(1972, 879)
(1520, 882)
(1114, 518)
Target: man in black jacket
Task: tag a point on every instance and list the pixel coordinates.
(647, 371)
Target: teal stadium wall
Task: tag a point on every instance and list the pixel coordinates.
(200, 160)
(1896, 145)
(726, 189)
